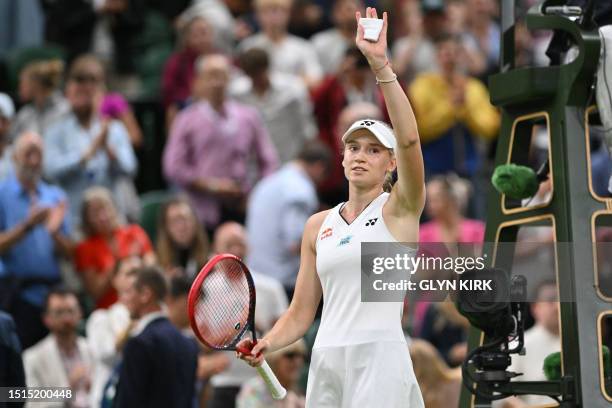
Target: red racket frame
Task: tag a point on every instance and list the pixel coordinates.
(195, 288)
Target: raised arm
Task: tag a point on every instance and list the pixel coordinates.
(410, 187)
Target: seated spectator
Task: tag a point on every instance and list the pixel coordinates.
(39, 84)
(182, 244)
(440, 385)
(106, 329)
(159, 363)
(281, 99)
(288, 53)
(106, 242)
(212, 144)
(286, 364)
(452, 112)
(33, 236)
(7, 110)
(447, 199)
(11, 365)
(540, 341)
(63, 358)
(231, 238)
(331, 44)
(277, 211)
(83, 148)
(195, 38)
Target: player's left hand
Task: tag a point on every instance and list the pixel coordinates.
(375, 52)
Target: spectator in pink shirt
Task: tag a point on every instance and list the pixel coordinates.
(447, 198)
(211, 145)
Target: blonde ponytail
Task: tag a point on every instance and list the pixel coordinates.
(389, 182)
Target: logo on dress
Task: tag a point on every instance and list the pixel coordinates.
(327, 232)
(345, 240)
(371, 221)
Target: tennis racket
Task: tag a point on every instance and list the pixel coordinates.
(222, 308)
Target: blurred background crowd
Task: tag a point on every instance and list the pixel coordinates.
(139, 137)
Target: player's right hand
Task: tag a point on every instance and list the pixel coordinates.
(256, 357)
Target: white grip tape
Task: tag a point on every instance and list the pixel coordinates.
(274, 386)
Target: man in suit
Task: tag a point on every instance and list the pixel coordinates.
(62, 359)
(11, 366)
(159, 363)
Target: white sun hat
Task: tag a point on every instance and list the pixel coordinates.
(379, 129)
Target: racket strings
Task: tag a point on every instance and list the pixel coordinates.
(222, 305)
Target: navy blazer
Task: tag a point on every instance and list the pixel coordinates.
(11, 366)
(158, 368)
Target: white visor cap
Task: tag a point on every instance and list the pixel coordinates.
(379, 129)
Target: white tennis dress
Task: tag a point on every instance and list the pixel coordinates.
(360, 357)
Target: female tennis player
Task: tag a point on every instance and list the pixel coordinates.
(360, 357)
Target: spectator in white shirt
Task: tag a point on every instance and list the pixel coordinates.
(281, 99)
(106, 328)
(288, 53)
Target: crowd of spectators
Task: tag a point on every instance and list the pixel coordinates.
(254, 99)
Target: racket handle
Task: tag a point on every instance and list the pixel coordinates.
(277, 391)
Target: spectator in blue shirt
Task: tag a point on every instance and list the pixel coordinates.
(86, 149)
(277, 211)
(33, 230)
